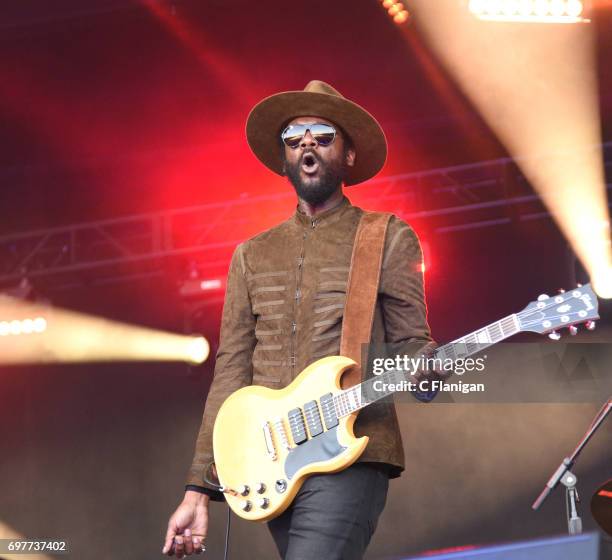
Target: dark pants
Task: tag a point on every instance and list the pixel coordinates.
(333, 516)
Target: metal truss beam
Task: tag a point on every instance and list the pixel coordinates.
(451, 199)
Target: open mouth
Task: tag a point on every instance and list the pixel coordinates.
(310, 165)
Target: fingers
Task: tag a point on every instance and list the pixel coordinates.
(198, 544)
(184, 545)
(188, 542)
(179, 546)
(170, 533)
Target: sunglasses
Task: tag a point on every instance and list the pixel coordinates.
(323, 133)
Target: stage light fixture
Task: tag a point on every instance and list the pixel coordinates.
(198, 350)
(401, 17)
(396, 10)
(511, 7)
(197, 287)
(23, 326)
(530, 11)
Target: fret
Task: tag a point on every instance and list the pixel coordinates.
(358, 399)
(471, 343)
(446, 352)
(509, 325)
(495, 331)
(483, 336)
(352, 400)
(345, 404)
(339, 407)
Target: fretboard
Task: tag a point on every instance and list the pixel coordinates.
(362, 395)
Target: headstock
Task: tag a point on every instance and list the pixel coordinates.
(566, 309)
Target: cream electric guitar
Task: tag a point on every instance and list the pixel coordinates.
(267, 441)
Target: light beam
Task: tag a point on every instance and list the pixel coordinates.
(69, 336)
(536, 86)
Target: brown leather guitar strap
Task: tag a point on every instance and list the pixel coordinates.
(362, 290)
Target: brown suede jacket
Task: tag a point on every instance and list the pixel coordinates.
(283, 310)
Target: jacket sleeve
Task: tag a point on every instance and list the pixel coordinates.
(403, 295)
(233, 366)
(401, 286)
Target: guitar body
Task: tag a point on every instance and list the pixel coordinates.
(254, 440)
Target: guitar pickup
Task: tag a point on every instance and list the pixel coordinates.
(329, 411)
(297, 426)
(313, 418)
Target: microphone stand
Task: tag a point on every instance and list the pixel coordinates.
(565, 476)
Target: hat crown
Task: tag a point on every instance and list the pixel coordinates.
(317, 86)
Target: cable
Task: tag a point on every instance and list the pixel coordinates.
(227, 533)
(229, 511)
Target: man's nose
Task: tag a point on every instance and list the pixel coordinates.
(308, 141)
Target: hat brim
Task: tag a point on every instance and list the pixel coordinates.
(270, 115)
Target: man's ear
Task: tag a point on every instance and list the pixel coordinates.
(350, 157)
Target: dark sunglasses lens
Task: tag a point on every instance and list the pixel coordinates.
(324, 134)
(292, 135)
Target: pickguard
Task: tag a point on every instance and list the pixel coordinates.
(320, 448)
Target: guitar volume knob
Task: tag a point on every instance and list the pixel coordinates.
(243, 490)
(263, 503)
(260, 488)
(246, 505)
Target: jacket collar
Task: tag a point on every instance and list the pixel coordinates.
(330, 215)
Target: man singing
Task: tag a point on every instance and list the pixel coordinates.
(284, 308)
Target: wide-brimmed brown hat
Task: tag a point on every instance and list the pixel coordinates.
(268, 118)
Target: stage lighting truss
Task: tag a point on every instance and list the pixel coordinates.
(140, 247)
(396, 10)
(531, 11)
(16, 327)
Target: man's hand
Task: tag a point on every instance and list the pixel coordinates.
(188, 526)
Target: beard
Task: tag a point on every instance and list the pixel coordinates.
(316, 190)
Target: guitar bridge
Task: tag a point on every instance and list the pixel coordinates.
(279, 426)
(267, 430)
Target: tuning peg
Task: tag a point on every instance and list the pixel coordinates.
(578, 285)
(590, 325)
(560, 291)
(573, 330)
(554, 335)
(543, 297)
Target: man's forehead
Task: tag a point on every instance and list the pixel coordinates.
(310, 119)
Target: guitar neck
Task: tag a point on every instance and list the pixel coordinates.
(480, 339)
(366, 393)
